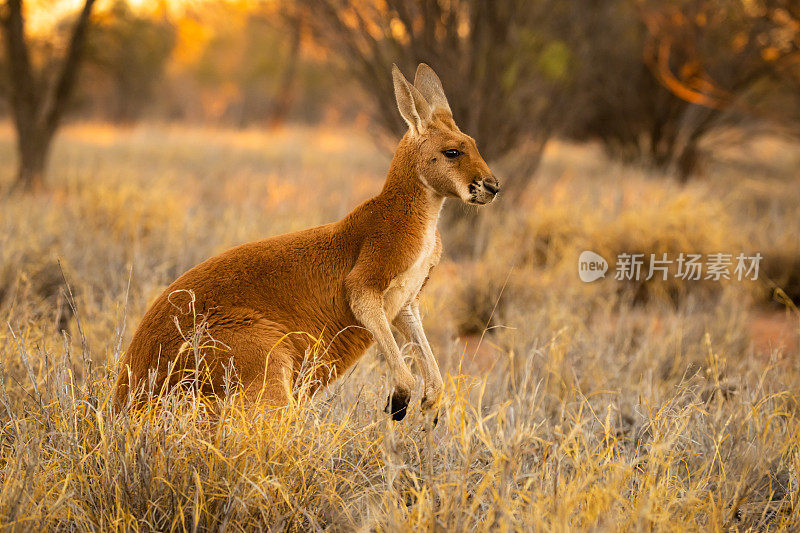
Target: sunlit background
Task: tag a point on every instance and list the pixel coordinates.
(174, 130)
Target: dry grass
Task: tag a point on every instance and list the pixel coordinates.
(604, 406)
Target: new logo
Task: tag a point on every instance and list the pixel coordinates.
(591, 266)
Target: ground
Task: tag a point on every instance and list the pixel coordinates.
(611, 405)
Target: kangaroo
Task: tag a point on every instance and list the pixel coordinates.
(264, 304)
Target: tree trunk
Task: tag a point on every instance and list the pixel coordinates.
(283, 96)
(33, 149)
(37, 110)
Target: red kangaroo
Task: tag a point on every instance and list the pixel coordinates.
(344, 283)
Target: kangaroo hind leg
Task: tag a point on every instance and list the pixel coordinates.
(258, 358)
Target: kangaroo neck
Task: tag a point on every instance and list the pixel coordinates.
(406, 189)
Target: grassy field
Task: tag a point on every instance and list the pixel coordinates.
(660, 405)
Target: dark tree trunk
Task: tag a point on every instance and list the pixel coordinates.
(37, 110)
(33, 148)
(283, 96)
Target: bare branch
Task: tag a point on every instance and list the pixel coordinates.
(62, 90)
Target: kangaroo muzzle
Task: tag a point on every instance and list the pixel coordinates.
(483, 190)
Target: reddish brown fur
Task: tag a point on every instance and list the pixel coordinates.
(264, 302)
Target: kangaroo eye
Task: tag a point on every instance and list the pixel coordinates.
(451, 153)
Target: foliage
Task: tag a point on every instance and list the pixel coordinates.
(132, 51)
(498, 61)
(650, 80)
(657, 83)
(655, 79)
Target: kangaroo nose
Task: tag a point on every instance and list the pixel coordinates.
(491, 185)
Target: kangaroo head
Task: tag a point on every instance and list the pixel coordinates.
(446, 159)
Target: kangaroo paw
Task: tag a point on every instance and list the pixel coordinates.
(397, 403)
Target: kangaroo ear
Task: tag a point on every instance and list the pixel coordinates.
(430, 86)
(413, 107)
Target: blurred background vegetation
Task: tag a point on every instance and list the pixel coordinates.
(654, 82)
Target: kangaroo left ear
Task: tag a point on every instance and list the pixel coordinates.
(413, 107)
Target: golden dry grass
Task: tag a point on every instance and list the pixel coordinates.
(605, 406)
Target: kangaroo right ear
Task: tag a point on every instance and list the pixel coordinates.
(430, 86)
(413, 107)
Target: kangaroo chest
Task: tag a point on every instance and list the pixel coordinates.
(406, 285)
